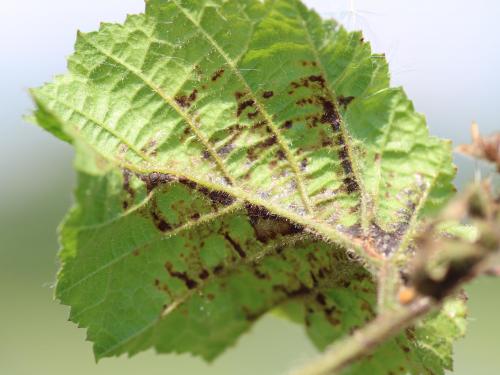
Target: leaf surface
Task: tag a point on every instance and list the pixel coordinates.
(231, 155)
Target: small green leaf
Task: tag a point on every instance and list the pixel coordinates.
(231, 156)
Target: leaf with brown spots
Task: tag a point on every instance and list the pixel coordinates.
(233, 156)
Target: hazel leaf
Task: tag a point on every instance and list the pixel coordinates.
(231, 157)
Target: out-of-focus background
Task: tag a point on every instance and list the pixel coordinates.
(445, 53)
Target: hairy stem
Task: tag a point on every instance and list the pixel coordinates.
(364, 341)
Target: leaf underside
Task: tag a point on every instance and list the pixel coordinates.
(230, 156)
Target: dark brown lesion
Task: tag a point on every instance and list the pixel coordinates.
(242, 106)
(155, 179)
(217, 197)
(267, 94)
(268, 226)
(183, 276)
(128, 201)
(311, 63)
(204, 274)
(254, 151)
(235, 245)
(186, 101)
(217, 74)
(159, 220)
(300, 291)
(253, 115)
(344, 101)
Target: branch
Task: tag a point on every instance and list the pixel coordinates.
(364, 341)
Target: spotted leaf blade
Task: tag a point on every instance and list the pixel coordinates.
(229, 153)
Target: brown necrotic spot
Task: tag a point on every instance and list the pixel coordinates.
(318, 79)
(217, 197)
(252, 115)
(330, 114)
(219, 73)
(351, 185)
(186, 182)
(183, 276)
(159, 221)
(309, 63)
(346, 165)
(155, 179)
(320, 298)
(204, 274)
(244, 105)
(185, 101)
(302, 102)
(344, 101)
(218, 269)
(259, 124)
(239, 94)
(268, 226)
(236, 246)
(129, 199)
(327, 143)
(253, 151)
(259, 274)
(302, 290)
(267, 94)
(268, 142)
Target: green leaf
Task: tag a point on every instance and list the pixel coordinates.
(232, 156)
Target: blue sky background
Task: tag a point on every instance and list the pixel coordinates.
(445, 53)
